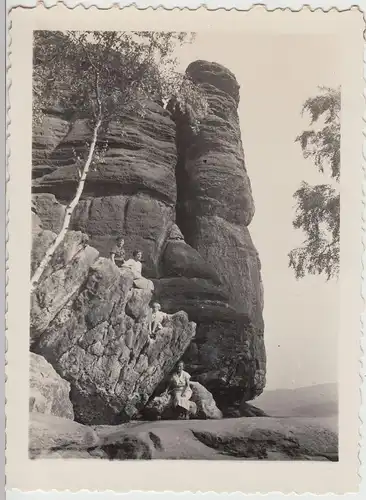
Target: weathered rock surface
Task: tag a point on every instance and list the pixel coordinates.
(49, 393)
(248, 410)
(62, 279)
(206, 406)
(49, 211)
(185, 200)
(214, 208)
(97, 338)
(130, 192)
(227, 358)
(226, 439)
(215, 201)
(46, 137)
(49, 434)
(140, 157)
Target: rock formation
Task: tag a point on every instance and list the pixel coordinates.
(51, 436)
(214, 208)
(185, 201)
(206, 406)
(92, 326)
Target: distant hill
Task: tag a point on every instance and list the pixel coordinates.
(313, 401)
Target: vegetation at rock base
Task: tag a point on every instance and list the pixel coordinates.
(318, 207)
(102, 76)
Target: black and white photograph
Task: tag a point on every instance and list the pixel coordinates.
(188, 263)
(171, 258)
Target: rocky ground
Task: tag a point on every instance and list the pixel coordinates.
(262, 438)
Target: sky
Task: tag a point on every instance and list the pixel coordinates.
(276, 75)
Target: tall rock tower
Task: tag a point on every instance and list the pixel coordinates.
(214, 208)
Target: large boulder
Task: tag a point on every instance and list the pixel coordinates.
(49, 393)
(206, 406)
(63, 277)
(99, 341)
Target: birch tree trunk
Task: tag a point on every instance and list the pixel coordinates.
(69, 210)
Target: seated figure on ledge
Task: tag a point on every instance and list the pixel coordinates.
(117, 252)
(181, 392)
(135, 266)
(157, 319)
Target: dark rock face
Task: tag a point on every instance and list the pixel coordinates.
(140, 158)
(97, 337)
(215, 203)
(46, 137)
(130, 192)
(226, 357)
(185, 200)
(214, 208)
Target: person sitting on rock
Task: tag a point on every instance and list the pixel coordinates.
(157, 318)
(117, 252)
(181, 391)
(135, 266)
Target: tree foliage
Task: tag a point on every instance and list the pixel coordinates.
(103, 76)
(109, 73)
(318, 207)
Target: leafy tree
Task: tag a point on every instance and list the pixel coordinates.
(103, 76)
(318, 207)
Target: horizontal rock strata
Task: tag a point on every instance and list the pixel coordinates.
(184, 198)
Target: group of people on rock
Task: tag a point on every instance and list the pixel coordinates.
(117, 255)
(134, 264)
(178, 389)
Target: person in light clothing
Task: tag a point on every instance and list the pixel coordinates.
(135, 266)
(180, 390)
(157, 318)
